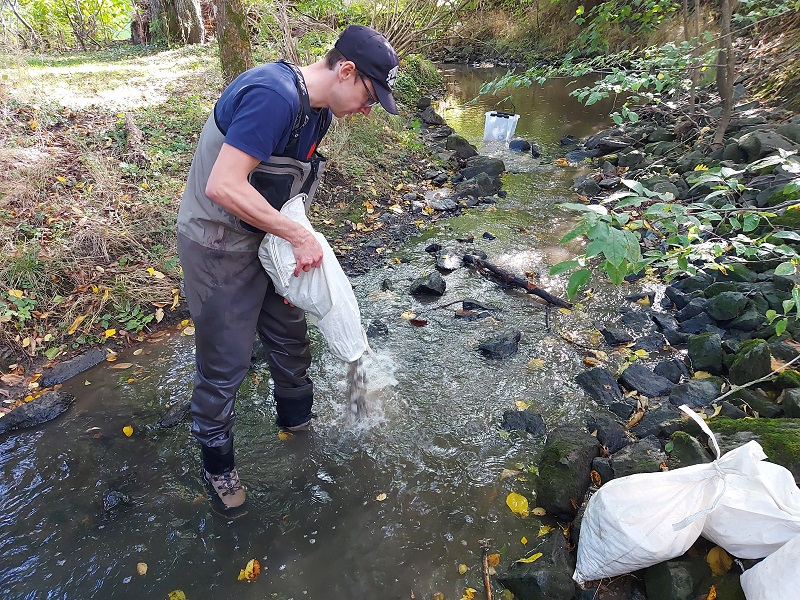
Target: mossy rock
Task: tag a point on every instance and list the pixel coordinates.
(780, 438)
(788, 379)
(753, 361)
(686, 451)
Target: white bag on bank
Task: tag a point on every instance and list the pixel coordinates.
(324, 293)
(777, 576)
(745, 506)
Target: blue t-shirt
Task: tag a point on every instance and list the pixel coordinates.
(258, 110)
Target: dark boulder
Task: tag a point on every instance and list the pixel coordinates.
(524, 420)
(696, 392)
(600, 385)
(39, 410)
(430, 285)
(640, 378)
(501, 347)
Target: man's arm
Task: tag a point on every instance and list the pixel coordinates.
(228, 186)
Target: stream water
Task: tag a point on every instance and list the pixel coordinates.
(380, 509)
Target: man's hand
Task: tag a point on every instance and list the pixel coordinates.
(307, 253)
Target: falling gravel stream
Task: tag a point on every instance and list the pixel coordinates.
(379, 509)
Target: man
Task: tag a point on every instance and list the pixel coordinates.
(256, 151)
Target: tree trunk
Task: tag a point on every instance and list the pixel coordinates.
(726, 66)
(233, 37)
(181, 20)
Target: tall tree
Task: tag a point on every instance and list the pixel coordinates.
(726, 69)
(233, 37)
(181, 20)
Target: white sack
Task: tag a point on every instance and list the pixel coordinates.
(641, 520)
(757, 514)
(776, 577)
(324, 293)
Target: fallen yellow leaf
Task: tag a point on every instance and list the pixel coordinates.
(127, 430)
(251, 571)
(535, 363)
(701, 375)
(15, 293)
(75, 324)
(381, 497)
(137, 352)
(122, 366)
(493, 560)
(719, 561)
(285, 435)
(110, 333)
(469, 594)
(462, 569)
(188, 331)
(544, 530)
(539, 511)
(176, 595)
(524, 541)
(141, 568)
(530, 559)
(518, 504)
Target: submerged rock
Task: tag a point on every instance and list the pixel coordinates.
(39, 410)
(430, 285)
(501, 347)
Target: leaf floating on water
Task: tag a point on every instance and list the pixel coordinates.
(566, 311)
(462, 569)
(701, 375)
(141, 568)
(251, 571)
(530, 559)
(523, 540)
(712, 593)
(591, 362)
(493, 560)
(381, 497)
(544, 530)
(719, 561)
(87, 382)
(127, 430)
(536, 363)
(539, 511)
(418, 322)
(285, 435)
(506, 473)
(176, 595)
(122, 366)
(469, 594)
(137, 352)
(408, 315)
(188, 331)
(518, 504)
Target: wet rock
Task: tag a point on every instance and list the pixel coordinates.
(423, 103)
(705, 352)
(600, 385)
(673, 369)
(695, 283)
(623, 408)
(564, 471)
(696, 392)
(652, 343)
(429, 116)
(644, 456)
(483, 164)
(431, 285)
(113, 499)
(536, 151)
(433, 247)
(699, 324)
(519, 145)
(610, 140)
(602, 466)
(501, 347)
(730, 411)
(610, 432)
(609, 183)
(440, 179)
(640, 378)
(472, 315)
(471, 304)
(480, 185)
(752, 362)
(461, 147)
(548, 578)
(72, 367)
(661, 420)
(614, 336)
(579, 155)
(763, 406)
(751, 320)
(568, 140)
(377, 328)
(677, 578)
(488, 236)
(778, 437)
(726, 305)
(587, 186)
(176, 413)
(524, 420)
(687, 451)
(695, 307)
(632, 158)
(638, 321)
(39, 410)
(791, 403)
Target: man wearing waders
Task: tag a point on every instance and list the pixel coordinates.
(256, 151)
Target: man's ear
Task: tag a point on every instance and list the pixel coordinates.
(346, 69)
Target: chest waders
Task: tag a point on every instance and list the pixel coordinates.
(230, 297)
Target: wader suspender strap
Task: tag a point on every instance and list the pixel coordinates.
(302, 115)
(301, 119)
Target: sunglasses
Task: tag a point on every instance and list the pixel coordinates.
(371, 101)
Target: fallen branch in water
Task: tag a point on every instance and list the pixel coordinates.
(487, 583)
(514, 280)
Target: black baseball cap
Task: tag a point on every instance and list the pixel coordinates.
(374, 57)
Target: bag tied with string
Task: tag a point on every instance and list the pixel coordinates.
(641, 520)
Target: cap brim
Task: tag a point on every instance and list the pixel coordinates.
(385, 98)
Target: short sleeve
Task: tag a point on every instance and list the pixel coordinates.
(261, 122)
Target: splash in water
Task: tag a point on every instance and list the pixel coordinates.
(356, 392)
